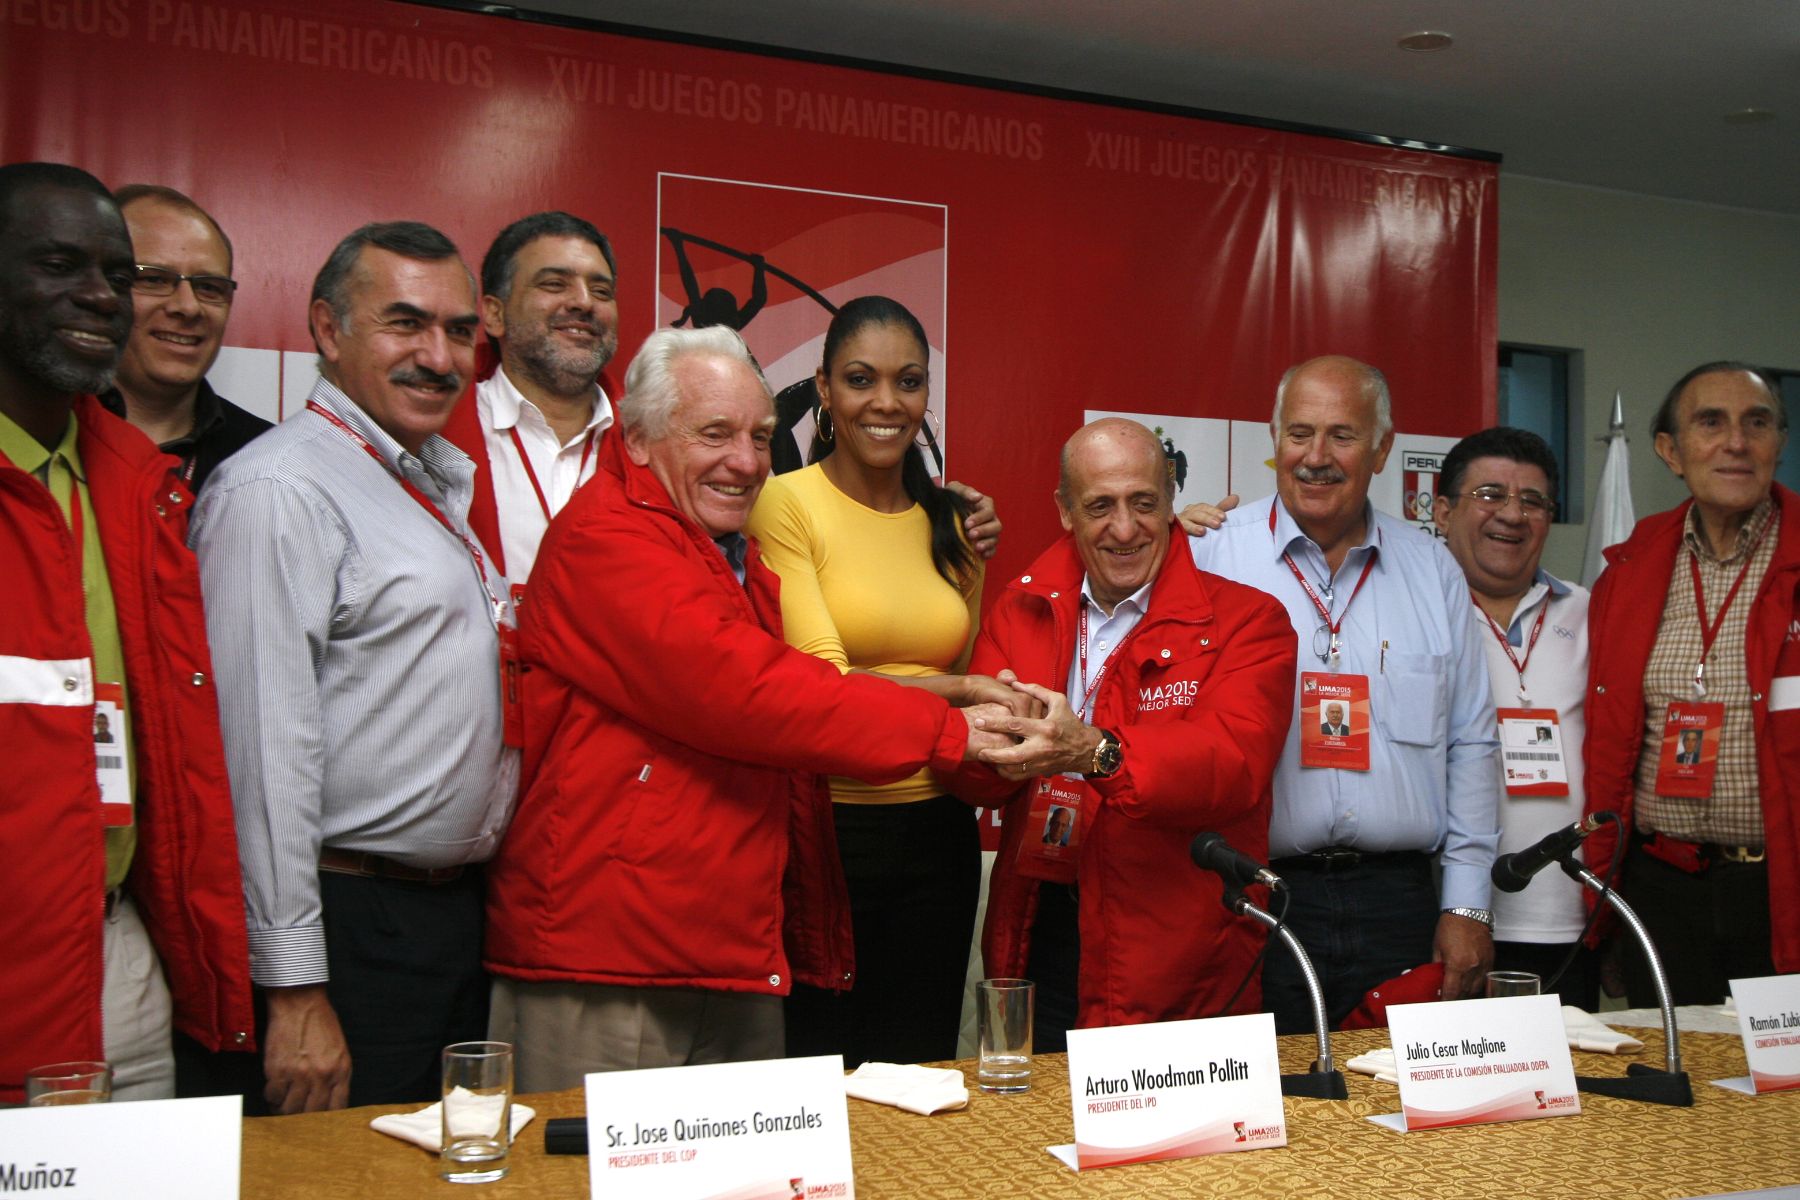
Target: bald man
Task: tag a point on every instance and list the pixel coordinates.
(1167, 696)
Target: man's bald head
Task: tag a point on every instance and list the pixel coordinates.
(1117, 499)
(1127, 435)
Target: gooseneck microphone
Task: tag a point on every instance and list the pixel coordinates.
(1513, 871)
(1211, 852)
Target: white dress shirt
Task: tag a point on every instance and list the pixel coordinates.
(560, 467)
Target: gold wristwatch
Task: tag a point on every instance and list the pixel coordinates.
(1107, 757)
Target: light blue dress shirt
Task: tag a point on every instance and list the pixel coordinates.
(1433, 778)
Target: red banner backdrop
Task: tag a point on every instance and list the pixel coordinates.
(1087, 256)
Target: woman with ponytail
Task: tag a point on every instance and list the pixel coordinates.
(878, 577)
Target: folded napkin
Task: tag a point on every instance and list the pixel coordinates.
(922, 1090)
(1379, 1063)
(1588, 1032)
(425, 1128)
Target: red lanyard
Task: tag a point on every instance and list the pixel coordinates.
(1710, 633)
(499, 608)
(1324, 612)
(1081, 643)
(1518, 663)
(587, 447)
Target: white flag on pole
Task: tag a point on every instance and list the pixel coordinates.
(1612, 516)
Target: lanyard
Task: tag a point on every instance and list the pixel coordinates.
(1709, 633)
(1081, 643)
(1324, 612)
(587, 447)
(1518, 663)
(424, 501)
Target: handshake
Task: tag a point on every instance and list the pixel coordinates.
(1022, 730)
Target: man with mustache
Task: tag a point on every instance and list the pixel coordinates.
(533, 426)
(1383, 617)
(124, 916)
(360, 628)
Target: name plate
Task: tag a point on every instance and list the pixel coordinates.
(1174, 1089)
(1768, 1013)
(148, 1149)
(1471, 1062)
(776, 1130)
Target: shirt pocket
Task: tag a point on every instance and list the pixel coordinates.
(1414, 696)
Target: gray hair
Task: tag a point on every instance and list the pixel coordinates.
(1375, 388)
(651, 392)
(408, 239)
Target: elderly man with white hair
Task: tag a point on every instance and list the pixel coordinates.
(671, 868)
(1385, 834)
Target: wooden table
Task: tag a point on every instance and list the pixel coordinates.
(995, 1147)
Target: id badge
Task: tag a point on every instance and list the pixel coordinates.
(1690, 750)
(1531, 752)
(1052, 837)
(111, 734)
(512, 705)
(1334, 721)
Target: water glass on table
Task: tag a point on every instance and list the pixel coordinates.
(1004, 1011)
(478, 1085)
(1513, 983)
(68, 1083)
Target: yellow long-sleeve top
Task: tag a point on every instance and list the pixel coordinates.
(858, 589)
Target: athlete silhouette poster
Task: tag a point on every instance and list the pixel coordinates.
(775, 262)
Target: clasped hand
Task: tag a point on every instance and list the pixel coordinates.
(1050, 740)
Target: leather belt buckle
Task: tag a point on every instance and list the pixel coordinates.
(1741, 855)
(1338, 858)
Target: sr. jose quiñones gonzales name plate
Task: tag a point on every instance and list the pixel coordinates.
(775, 1130)
(1471, 1062)
(1769, 1018)
(1174, 1089)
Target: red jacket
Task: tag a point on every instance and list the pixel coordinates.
(184, 876)
(1622, 621)
(673, 748)
(1200, 695)
(464, 431)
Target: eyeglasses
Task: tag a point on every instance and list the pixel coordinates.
(160, 281)
(1493, 498)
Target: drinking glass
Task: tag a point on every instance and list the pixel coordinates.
(68, 1083)
(1004, 1008)
(1513, 983)
(478, 1084)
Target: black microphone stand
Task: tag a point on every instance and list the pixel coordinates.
(1324, 1081)
(1640, 1081)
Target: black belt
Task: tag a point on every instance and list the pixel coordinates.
(374, 866)
(1343, 858)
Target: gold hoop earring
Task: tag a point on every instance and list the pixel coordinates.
(822, 422)
(931, 432)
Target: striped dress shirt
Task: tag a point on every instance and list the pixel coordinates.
(357, 660)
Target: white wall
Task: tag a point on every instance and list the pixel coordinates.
(1645, 288)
